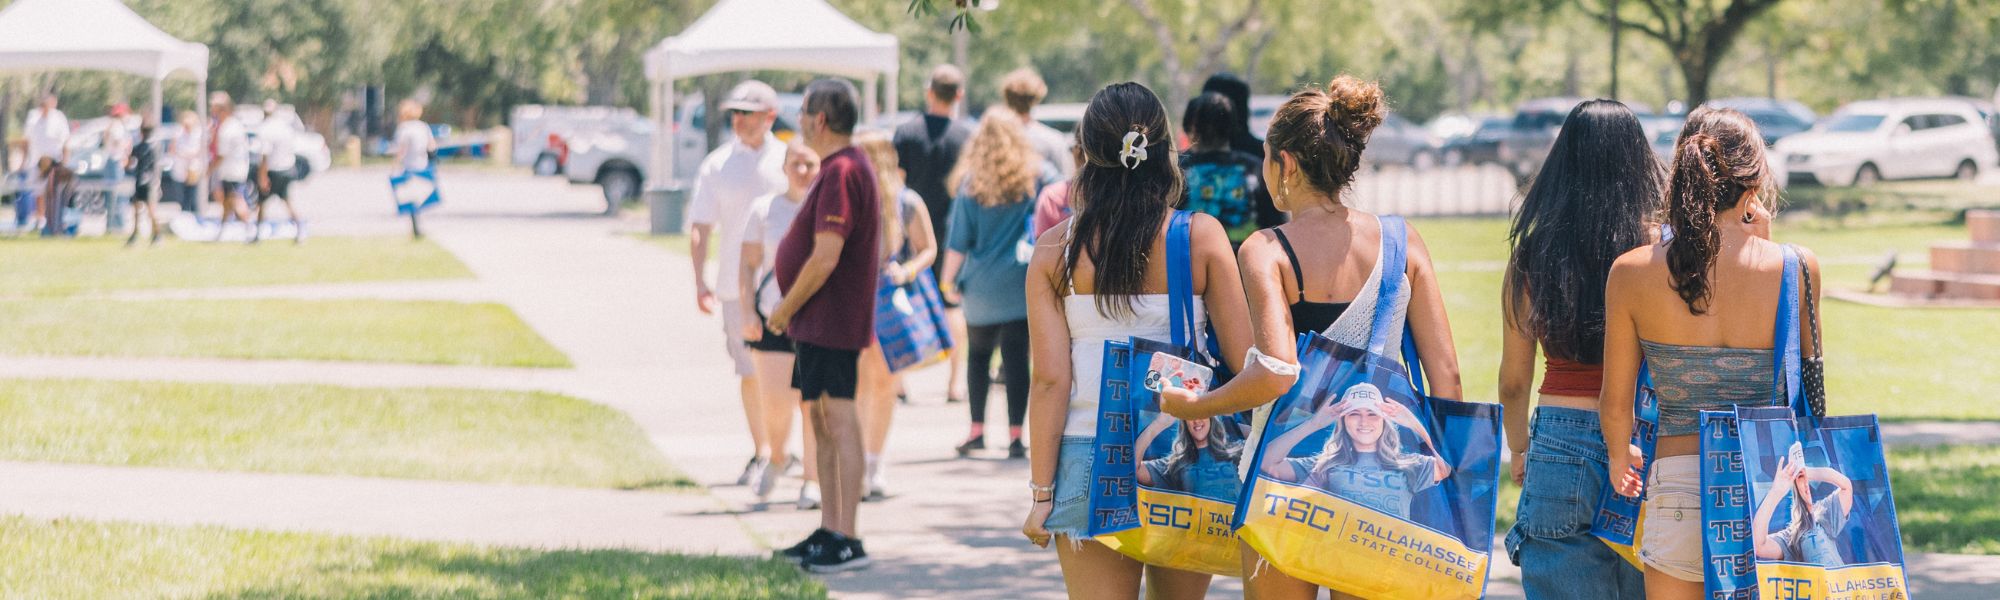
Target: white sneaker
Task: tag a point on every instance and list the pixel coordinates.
(767, 481)
(877, 490)
(809, 496)
(753, 470)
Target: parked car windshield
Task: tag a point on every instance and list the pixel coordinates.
(1854, 123)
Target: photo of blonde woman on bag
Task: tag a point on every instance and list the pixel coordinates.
(1202, 462)
(1364, 459)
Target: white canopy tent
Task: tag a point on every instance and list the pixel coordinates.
(778, 35)
(101, 35)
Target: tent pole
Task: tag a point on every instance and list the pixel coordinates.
(889, 81)
(201, 108)
(868, 97)
(158, 108)
(662, 169)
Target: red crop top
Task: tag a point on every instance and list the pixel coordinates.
(1570, 378)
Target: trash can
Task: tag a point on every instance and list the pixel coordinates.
(668, 207)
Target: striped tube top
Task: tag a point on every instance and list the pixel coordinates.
(1691, 379)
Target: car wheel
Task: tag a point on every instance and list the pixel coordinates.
(618, 186)
(546, 164)
(1868, 175)
(1453, 158)
(1967, 171)
(1423, 160)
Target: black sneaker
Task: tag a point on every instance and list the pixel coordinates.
(1017, 450)
(970, 446)
(812, 544)
(840, 553)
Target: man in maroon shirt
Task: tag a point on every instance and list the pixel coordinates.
(827, 268)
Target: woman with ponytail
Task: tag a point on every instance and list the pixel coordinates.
(1093, 278)
(1700, 308)
(1320, 272)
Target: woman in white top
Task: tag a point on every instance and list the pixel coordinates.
(189, 150)
(412, 153)
(1321, 272)
(1090, 281)
(413, 144)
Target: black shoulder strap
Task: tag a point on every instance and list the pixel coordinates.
(1298, 274)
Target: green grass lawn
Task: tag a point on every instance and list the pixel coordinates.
(1905, 364)
(445, 434)
(37, 267)
(1944, 498)
(83, 559)
(449, 333)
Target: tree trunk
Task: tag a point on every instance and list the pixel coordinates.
(1695, 75)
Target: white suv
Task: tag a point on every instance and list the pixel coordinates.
(1869, 141)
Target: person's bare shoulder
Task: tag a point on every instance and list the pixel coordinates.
(1637, 265)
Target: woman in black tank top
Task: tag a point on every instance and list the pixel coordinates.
(1317, 138)
(1306, 314)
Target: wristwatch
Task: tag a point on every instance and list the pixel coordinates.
(1042, 493)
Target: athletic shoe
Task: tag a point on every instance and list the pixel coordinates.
(798, 552)
(1017, 450)
(809, 496)
(753, 470)
(839, 553)
(794, 467)
(767, 481)
(970, 446)
(876, 489)
(301, 237)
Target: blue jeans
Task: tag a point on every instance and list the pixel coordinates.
(1071, 515)
(24, 205)
(1551, 539)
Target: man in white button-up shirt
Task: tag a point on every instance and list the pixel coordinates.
(750, 165)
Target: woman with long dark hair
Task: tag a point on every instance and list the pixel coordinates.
(1321, 272)
(1700, 309)
(1596, 198)
(1092, 279)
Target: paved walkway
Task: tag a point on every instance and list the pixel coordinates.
(622, 310)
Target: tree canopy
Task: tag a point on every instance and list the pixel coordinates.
(471, 60)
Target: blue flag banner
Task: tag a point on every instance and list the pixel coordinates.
(415, 191)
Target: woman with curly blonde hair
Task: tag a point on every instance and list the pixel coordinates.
(986, 263)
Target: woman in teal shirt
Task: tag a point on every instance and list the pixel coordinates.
(986, 264)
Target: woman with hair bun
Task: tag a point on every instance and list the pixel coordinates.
(1092, 279)
(1320, 272)
(1700, 308)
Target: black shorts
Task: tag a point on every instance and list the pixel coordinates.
(821, 371)
(281, 187)
(771, 342)
(142, 191)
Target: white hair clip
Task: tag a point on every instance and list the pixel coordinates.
(1134, 153)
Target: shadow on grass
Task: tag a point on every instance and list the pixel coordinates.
(461, 572)
(677, 483)
(1945, 498)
